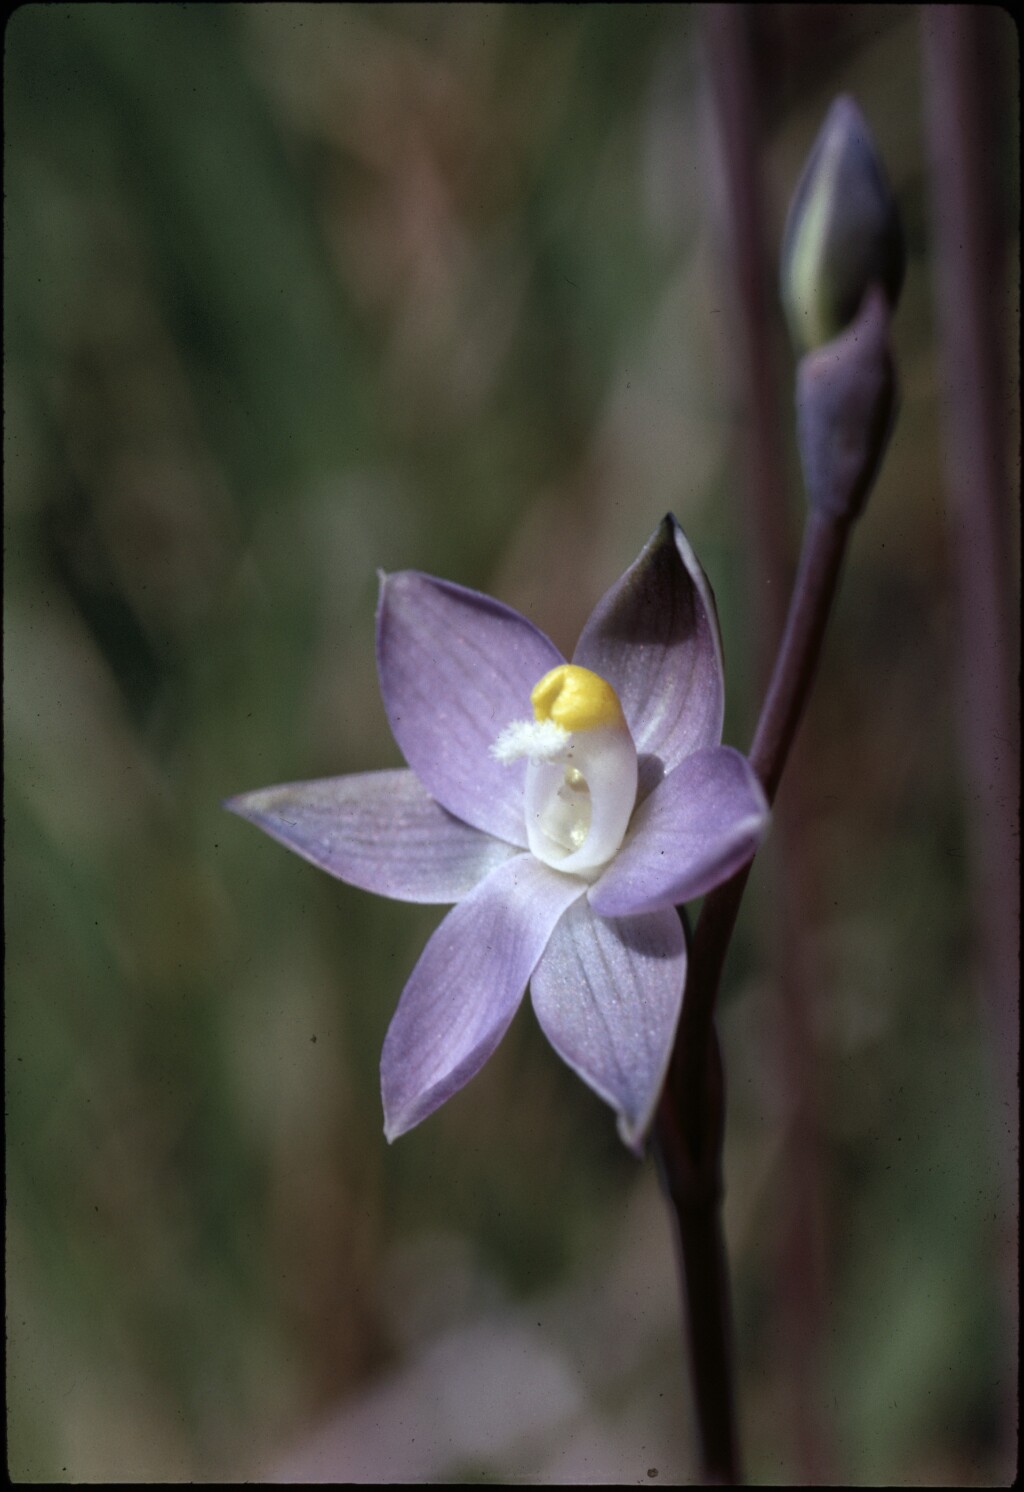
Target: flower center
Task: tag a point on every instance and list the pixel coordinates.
(581, 772)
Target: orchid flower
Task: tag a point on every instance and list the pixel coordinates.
(565, 808)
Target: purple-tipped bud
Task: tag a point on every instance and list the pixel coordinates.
(843, 232)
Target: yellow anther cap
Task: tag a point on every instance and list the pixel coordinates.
(576, 699)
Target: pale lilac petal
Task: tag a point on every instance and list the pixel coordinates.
(607, 993)
(698, 827)
(456, 668)
(467, 986)
(381, 831)
(655, 638)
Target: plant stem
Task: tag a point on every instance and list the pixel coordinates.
(786, 900)
(964, 128)
(692, 1180)
(972, 306)
(731, 72)
(689, 1128)
(824, 545)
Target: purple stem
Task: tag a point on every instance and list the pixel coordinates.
(689, 1127)
(964, 134)
(971, 304)
(735, 94)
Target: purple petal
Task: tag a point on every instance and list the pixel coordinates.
(467, 986)
(655, 638)
(381, 831)
(698, 827)
(607, 993)
(455, 668)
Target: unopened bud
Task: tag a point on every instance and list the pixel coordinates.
(843, 232)
(845, 407)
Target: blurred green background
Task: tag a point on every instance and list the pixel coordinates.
(293, 293)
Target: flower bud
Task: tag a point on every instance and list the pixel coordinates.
(845, 407)
(843, 232)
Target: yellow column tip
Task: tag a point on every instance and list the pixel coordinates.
(576, 699)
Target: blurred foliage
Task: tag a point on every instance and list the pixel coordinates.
(296, 292)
